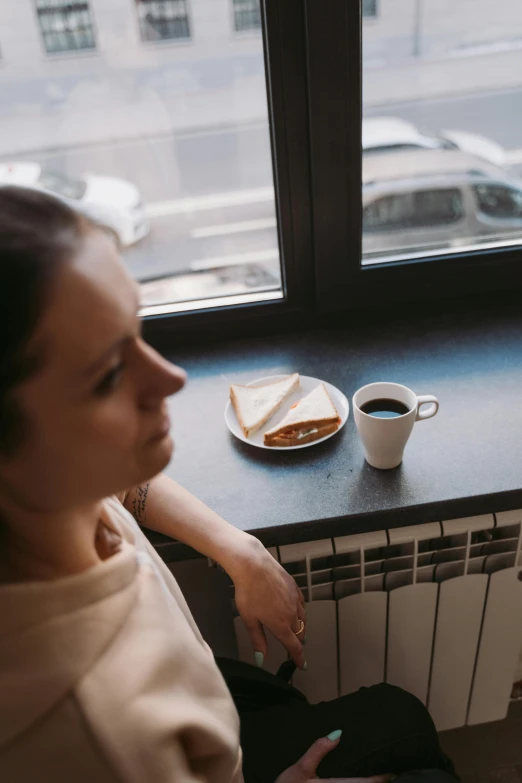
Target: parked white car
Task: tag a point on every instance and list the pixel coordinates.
(414, 201)
(112, 202)
(393, 134)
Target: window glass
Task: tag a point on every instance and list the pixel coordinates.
(440, 102)
(390, 148)
(369, 8)
(247, 15)
(167, 146)
(66, 26)
(418, 209)
(62, 186)
(162, 20)
(498, 201)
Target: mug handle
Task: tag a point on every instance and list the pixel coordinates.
(432, 410)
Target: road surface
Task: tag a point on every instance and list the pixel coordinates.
(208, 193)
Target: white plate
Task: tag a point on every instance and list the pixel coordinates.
(307, 385)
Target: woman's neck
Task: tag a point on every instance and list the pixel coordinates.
(43, 546)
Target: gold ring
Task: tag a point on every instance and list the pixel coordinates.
(301, 628)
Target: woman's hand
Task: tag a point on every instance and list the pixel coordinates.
(305, 770)
(266, 596)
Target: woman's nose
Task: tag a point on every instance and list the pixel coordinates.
(177, 378)
(159, 378)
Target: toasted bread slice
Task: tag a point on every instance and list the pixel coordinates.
(313, 417)
(255, 405)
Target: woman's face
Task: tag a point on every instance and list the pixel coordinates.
(96, 411)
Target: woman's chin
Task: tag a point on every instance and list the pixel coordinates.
(159, 455)
(165, 450)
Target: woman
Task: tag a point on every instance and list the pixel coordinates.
(104, 675)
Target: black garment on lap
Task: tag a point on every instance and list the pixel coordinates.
(384, 729)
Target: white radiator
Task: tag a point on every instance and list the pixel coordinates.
(435, 608)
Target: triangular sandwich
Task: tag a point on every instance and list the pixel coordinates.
(311, 418)
(255, 405)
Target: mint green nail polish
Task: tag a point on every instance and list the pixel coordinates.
(334, 735)
(260, 659)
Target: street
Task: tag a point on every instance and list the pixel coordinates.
(209, 193)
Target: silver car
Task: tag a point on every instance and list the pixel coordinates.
(432, 200)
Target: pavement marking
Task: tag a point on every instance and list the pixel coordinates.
(233, 198)
(254, 257)
(234, 228)
(513, 157)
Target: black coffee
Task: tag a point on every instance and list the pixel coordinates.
(385, 409)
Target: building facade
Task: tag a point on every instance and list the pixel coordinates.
(75, 72)
(83, 71)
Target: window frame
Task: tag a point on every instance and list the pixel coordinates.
(316, 142)
(174, 39)
(343, 282)
(52, 10)
(284, 44)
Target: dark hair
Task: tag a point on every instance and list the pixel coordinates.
(38, 234)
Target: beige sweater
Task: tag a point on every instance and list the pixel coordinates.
(105, 677)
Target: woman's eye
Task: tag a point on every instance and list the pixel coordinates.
(110, 381)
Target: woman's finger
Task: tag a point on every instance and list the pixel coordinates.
(258, 639)
(293, 646)
(300, 596)
(301, 612)
(374, 779)
(298, 625)
(307, 764)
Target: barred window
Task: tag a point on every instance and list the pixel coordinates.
(247, 15)
(162, 20)
(66, 26)
(369, 8)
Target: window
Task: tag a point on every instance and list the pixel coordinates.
(414, 68)
(238, 178)
(247, 15)
(162, 20)
(369, 8)
(169, 149)
(66, 26)
(499, 201)
(418, 209)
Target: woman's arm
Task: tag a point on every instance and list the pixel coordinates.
(265, 594)
(164, 506)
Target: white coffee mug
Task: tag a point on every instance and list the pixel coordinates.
(384, 440)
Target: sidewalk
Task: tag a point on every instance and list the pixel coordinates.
(422, 79)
